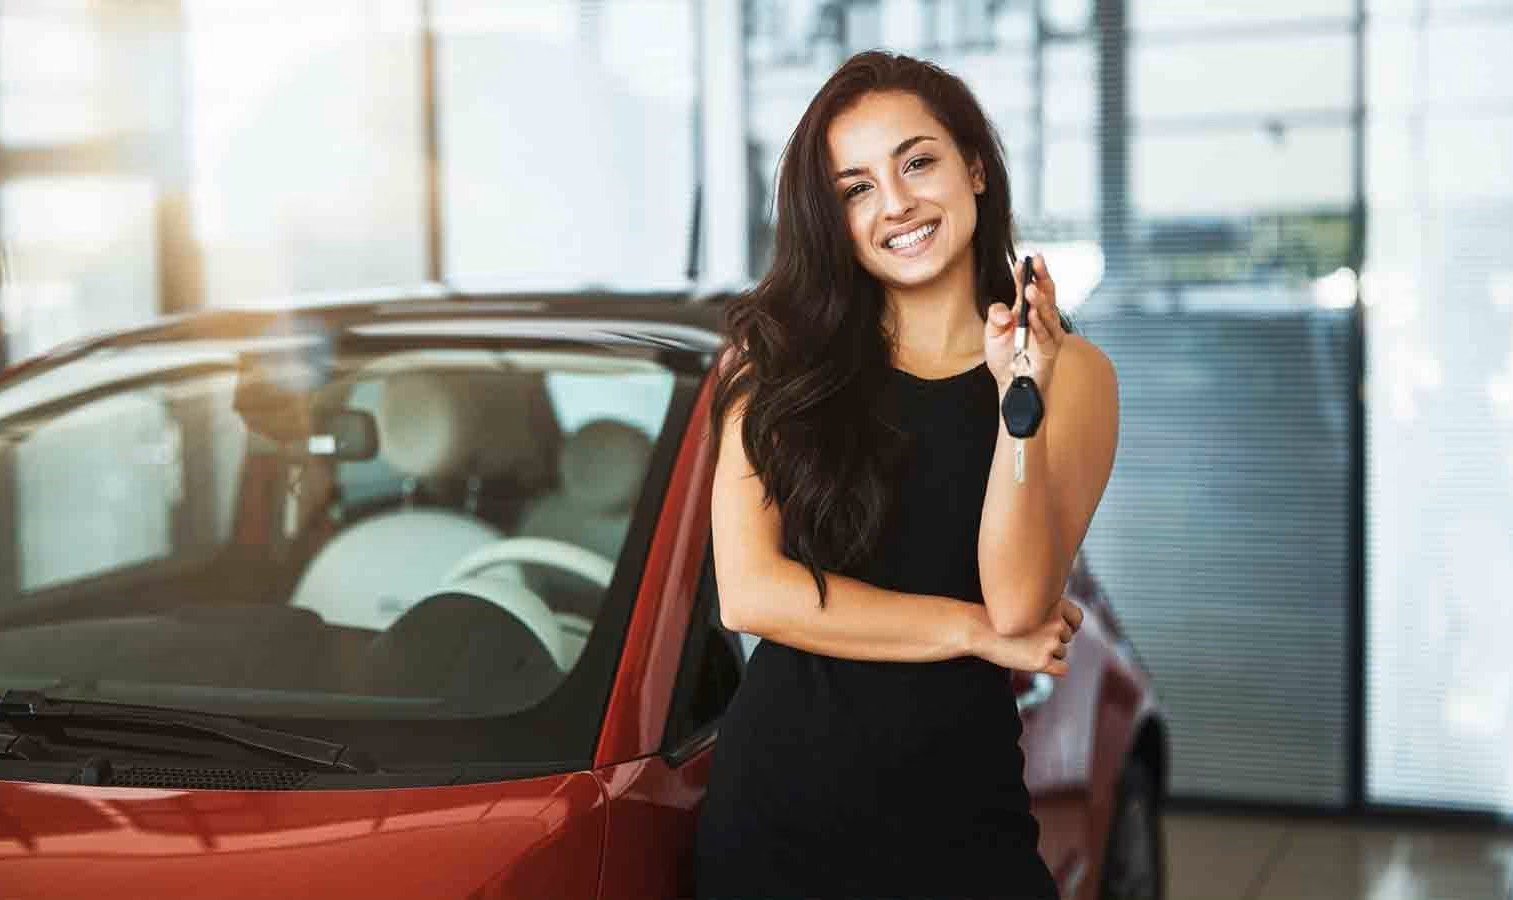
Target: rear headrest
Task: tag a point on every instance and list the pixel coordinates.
(603, 464)
(456, 424)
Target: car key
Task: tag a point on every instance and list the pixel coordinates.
(1023, 408)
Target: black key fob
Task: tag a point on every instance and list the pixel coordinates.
(1022, 407)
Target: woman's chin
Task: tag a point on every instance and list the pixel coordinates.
(917, 274)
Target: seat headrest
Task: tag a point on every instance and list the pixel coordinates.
(455, 424)
(603, 464)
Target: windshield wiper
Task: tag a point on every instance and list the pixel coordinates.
(35, 711)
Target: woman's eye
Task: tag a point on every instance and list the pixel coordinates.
(854, 190)
(922, 160)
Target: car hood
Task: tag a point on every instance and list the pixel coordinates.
(539, 837)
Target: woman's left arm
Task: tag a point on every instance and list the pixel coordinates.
(1030, 531)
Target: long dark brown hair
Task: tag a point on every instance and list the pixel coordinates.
(814, 349)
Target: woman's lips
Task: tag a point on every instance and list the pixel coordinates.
(916, 248)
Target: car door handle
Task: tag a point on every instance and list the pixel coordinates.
(1036, 694)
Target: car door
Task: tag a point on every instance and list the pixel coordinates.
(653, 802)
(1059, 719)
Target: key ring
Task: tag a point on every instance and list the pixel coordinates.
(1021, 354)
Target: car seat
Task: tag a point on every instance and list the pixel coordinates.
(601, 468)
(433, 427)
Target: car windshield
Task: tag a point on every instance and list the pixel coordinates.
(348, 540)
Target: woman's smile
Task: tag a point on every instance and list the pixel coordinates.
(915, 242)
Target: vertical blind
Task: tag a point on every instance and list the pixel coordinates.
(1223, 540)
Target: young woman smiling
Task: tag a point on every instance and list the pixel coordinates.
(885, 553)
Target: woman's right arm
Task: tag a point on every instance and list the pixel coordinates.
(765, 593)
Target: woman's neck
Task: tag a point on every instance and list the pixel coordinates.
(938, 321)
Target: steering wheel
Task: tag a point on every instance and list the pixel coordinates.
(511, 592)
(559, 554)
(511, 598)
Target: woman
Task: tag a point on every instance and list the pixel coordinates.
(893, 565)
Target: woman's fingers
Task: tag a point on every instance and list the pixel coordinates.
(1045, 324)
(1043, 300)
(1071, 613)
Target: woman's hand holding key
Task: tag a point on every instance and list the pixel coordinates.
(1045, 337)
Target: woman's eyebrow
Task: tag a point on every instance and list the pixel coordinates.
(900, 150)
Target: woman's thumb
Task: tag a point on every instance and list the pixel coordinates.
(998, 314)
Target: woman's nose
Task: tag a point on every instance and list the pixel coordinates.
(897, 199)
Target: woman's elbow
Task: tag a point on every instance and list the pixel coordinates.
(1018, 618)
(747, 606)
(741, 613)
(1013, 628)
(730, 616)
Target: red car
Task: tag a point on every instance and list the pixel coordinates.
(415, 599)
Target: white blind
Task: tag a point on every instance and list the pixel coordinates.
(1439, 363)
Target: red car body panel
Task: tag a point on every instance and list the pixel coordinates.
(622, 831)
(639, 701)
(534, 838)
(652, 806)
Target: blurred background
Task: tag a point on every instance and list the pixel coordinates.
(1289, 223)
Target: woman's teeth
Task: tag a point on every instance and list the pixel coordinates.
(912, 238)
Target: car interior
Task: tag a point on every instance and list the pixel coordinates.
(419, 531)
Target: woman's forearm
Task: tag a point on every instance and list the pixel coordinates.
(1017, 556)
(859, 620)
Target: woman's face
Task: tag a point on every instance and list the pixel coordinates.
(908, 195)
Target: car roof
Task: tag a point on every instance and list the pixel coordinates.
(681, 324)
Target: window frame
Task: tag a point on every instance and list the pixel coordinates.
(680, 742)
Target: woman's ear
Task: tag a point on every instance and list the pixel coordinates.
(979, 180)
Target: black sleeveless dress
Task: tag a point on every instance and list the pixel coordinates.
(840, 778)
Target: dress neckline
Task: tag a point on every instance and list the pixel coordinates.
(922, 380)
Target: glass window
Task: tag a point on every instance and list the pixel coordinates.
(1197, 79)
(1465, 158)
(711, 667)
(136, 476)
(72, 527)
(1182, 15)
(304, 123)
(567, 144)
(275, 530)
(80, 256)
(1243, 171)
(51, 79)
(1438, 288)
(1464, 64)
(1071, 178)
(1071, 88)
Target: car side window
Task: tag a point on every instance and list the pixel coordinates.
(126, 479)
(711, 668)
